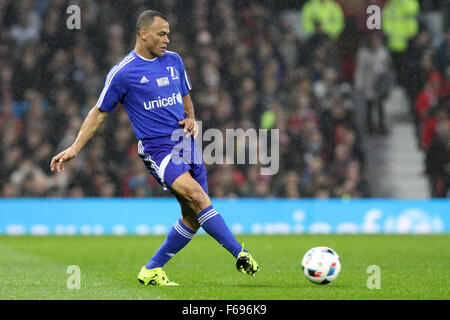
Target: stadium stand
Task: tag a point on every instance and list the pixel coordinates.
(248, 69)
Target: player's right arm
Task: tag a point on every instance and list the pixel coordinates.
(91, 124)
(111, 95)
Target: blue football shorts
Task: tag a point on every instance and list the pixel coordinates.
(166, 160)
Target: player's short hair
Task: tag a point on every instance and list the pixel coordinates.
(146, 18)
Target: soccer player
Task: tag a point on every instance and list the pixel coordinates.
(152, 85)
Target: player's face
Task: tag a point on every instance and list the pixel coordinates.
(157, 38)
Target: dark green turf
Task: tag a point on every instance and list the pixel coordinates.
(412, 267)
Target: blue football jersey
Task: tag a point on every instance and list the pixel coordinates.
(151, 92)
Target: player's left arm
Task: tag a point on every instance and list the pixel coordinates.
(189, 123)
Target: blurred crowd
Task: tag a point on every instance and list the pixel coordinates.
(248, 68)
(431, 107)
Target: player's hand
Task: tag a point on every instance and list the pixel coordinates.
(190, 126)
(62, 157)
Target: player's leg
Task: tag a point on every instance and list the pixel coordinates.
(195, 197)
(178, 237)
(189, 217)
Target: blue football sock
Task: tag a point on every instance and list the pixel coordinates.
(213, 223)
(178, 237)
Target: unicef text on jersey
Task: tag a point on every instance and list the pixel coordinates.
(163, 102)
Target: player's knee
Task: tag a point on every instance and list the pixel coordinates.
(196, 198)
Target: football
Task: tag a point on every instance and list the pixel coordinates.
(321, 265)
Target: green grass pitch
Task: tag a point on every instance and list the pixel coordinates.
(35, 267)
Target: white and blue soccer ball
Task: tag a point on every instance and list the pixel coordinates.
(321, 265)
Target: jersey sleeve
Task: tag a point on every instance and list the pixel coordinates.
(184, 79)
(112, 92)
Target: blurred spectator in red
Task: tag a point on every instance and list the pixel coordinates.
(428, 98)
(440, 117)
(438, 162)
